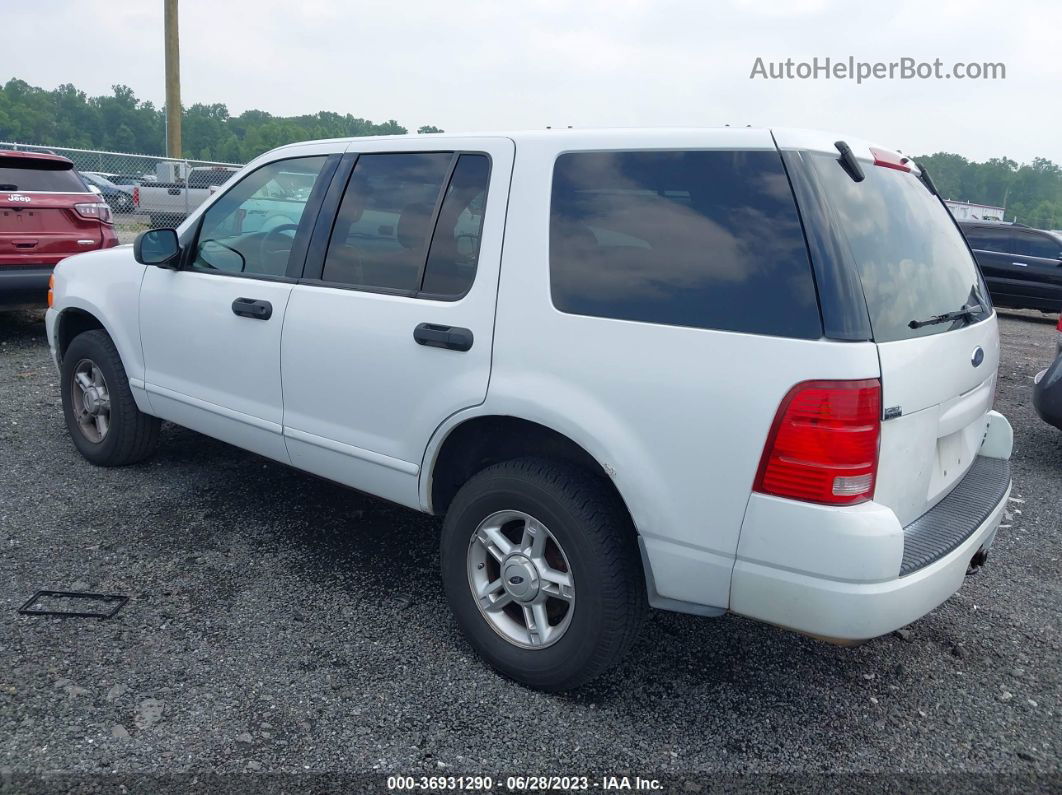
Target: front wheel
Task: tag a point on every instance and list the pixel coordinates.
(541, 570)
(104, 423)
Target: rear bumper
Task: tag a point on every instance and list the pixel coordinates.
(24, 285)
(857, 577)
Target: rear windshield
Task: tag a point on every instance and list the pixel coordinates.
(46, 176)
(912, 261)
(708, 239)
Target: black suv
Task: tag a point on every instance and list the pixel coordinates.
(1022, 266)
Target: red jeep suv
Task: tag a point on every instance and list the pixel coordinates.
(46, 213)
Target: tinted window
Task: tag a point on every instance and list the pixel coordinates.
(986, 239)
(709, 239)
(252, 227)
(1001, 240)
(380, 237)
(911, 260)
(46, 176)
(455, 245)
(1037, 244)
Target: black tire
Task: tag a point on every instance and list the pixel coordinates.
(132, 435)
(598, 538)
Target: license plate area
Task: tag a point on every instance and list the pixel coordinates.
(74, 604)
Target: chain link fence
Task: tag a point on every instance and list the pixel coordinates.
(143, 191)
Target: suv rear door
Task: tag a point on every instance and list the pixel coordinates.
(390, 330)
(938, 379)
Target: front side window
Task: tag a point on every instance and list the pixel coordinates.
(251, 228)
(982, 239)
(709, 239)
(410, 222)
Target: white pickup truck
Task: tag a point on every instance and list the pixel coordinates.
(711, 371)
(169, 203)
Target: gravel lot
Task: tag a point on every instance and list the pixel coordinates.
(281, 623)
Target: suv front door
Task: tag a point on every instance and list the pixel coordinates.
(211, 329)
(390, 330)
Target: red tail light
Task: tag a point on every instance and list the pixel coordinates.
(823, 446)
(889, 159)
(136, 196)
(1059, 326)
(100, 211)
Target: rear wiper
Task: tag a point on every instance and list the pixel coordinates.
(849, 162)
(948, 317)
(8, 186)
(928, 181)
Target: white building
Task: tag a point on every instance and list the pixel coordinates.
(968, 211)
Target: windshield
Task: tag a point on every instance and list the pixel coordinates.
(912, 261)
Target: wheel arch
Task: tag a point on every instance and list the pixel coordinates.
(78, 316)
(474, 443)
(71, 322)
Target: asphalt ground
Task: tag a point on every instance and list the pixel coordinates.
(280, 623)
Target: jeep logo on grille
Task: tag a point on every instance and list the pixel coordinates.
(978, 356)
(18, 197)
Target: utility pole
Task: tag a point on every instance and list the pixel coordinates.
(173, 81)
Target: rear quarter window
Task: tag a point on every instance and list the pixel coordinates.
(708, 239)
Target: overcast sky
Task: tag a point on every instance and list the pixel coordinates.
(465, 65)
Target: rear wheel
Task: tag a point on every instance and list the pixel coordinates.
(542, 573)
(104, 423)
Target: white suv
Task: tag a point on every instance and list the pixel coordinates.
(718, 370)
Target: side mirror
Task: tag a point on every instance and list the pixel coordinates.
(158, 247)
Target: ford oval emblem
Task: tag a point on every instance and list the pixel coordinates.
(978, 356)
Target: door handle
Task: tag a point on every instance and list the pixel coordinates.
(450, 337)
(254, 309)
(1021, 264)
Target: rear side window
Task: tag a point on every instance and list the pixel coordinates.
(709, 239)
(1036, 244)
(45, 176)
(410, 223)
(912, 261)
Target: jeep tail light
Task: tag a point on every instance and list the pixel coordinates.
(823, 445)
(96, 211)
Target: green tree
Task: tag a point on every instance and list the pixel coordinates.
(120, 122)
